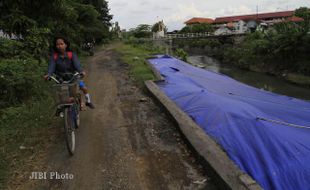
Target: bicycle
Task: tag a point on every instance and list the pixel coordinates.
(68, 103)
(91, 49)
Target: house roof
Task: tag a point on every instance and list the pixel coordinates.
(295, 19)
(260, 16)
(196, 20)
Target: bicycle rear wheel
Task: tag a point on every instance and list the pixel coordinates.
(69, 129)
(77, 112)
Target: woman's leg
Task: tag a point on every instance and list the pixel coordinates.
(87, 96)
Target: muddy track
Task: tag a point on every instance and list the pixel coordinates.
(125, 143)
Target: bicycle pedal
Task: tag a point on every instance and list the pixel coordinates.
(57, 113)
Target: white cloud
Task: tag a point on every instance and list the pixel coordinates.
(185, 12)
(242, 9)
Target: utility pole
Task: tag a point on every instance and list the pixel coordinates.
(256, 12)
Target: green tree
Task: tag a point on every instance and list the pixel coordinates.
(101, 31)
(77, 20)
(156, 27)
(18, 16)
(304, 13)
(285, 46)
(142, 31)
(198, 28)
(102, 7)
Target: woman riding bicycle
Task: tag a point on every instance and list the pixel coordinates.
(63, 61)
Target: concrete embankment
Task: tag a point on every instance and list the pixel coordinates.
(203, 144)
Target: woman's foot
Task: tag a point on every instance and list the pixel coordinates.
(90, 105)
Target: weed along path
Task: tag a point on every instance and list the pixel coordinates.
(126, 142)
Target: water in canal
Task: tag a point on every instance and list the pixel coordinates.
(258, 80)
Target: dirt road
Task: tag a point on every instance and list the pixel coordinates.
(125, 143)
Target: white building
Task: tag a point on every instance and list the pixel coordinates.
(223, 30)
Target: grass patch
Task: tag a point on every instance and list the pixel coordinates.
(298, 79)
(25, 131)
(22, 135)
(135, 57)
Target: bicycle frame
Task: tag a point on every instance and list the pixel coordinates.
(68, 107)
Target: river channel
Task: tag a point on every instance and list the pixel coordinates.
(255, 79)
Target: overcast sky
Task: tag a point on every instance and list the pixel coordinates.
(174, 13)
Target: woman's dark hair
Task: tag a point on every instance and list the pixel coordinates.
(65, 41)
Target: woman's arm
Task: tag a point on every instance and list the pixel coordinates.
(76, 63)
(51, 66)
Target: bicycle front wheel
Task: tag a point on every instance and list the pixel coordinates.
(69, 129)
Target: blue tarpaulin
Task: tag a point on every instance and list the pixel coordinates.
(267, 135)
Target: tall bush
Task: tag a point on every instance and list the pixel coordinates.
(20, 80)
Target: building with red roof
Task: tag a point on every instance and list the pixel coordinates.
(295, 19)
(246, 23)
(197, 20)
(257, 17)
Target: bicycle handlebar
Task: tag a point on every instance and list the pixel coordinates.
(52, 77)
(74, 77)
